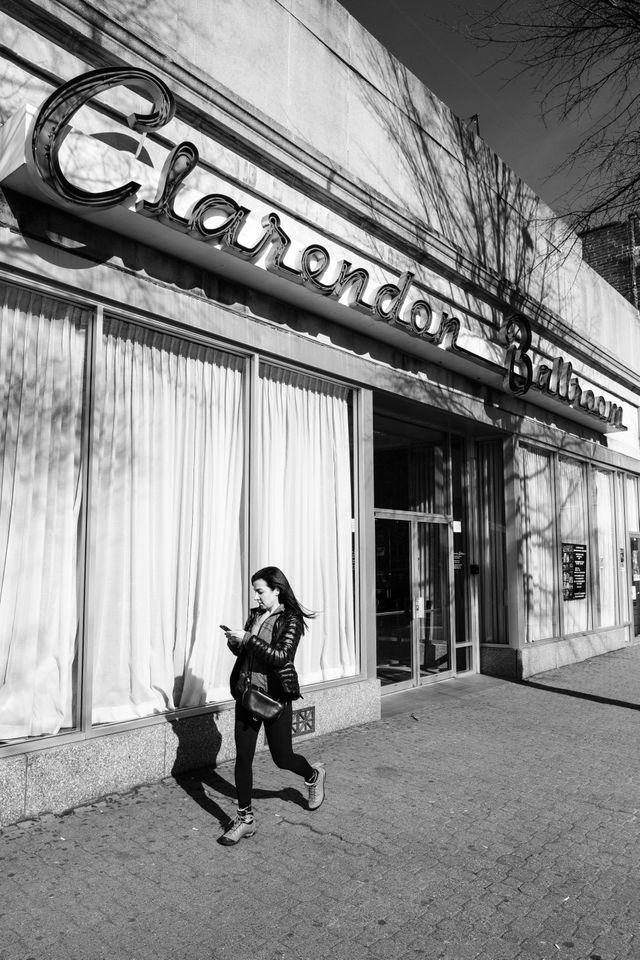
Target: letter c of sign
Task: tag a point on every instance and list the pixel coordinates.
(50, 127)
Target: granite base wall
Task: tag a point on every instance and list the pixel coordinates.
(59, 777)
(540, 657)
(503, 661)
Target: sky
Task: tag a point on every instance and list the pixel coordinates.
(471, 81)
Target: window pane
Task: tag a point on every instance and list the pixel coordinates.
(432, 586)
(409, 467)
(304, 514)
(464, 659)
(604, 565)
(167, 500)
(632, 505)
(394, 628)
(42, 370)
(492, 543)
(624, 559)
(574, 536)
(538, 544)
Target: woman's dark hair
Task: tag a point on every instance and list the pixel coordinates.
(275, 579)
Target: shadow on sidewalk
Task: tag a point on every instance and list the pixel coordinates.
(199, 784)
(580, 694)
(198, 745)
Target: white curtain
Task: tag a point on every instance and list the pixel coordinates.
(538, 543)
(166, 498)
(42, 362)
(604, 520)
(492, 537)
(623, 493)
(572, 492)
(303, 520)
(633, 523)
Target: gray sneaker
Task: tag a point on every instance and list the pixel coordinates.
(238, 829)
(316, 788)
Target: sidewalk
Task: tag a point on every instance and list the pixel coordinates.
(478, 820)
(612, 677)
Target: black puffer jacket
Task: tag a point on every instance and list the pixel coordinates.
(275, 658)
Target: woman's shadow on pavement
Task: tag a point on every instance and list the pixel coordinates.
(199, 740)
(199, 784)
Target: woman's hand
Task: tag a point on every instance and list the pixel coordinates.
(234, 640)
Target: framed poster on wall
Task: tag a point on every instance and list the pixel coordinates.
(574, 571)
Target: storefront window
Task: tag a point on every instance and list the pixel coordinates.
(302, 517)
(538, 544)
(604, 560)
(167, 493)
(586, 529)
(42, 374)
(161, 457)
(574, 536)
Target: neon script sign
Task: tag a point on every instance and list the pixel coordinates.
(556, 380)
(392, 303)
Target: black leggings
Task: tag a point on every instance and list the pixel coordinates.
(278, 734)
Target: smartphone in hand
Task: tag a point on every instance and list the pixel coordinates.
(225, 628)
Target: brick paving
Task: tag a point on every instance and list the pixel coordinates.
(612, 676)
(483, 820)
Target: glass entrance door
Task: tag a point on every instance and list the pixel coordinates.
(413, 600)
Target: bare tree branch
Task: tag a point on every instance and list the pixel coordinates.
(584, 56)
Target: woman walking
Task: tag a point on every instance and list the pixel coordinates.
(265, 650)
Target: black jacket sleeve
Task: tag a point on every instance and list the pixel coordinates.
(284, 642)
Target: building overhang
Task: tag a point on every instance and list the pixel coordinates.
(190, 210)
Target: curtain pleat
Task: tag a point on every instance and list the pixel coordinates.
(633, 522)
(573, 529)
(492, 538)
(538, 543)
(603, 520)
(42, 368)
(304, 515)
(166, 497)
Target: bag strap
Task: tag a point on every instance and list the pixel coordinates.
(250, 674)
(254, 633)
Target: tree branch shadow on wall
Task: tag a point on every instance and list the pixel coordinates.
(454, 186)
(68, 242)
